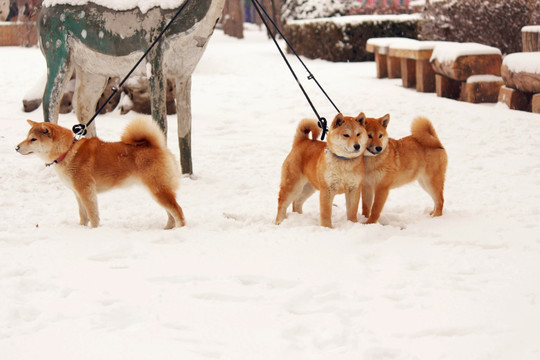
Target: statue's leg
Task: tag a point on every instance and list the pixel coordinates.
(88, 89)
(157, 84)
(59, 70)
(183, 113)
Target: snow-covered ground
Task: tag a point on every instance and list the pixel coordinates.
(231, 285)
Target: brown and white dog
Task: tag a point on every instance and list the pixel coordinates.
(332, 167)
(391, 163)
(89, 166)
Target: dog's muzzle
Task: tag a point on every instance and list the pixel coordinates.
(373, 152)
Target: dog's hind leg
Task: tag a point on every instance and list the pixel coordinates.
(307, 191)
(88, 90)
(167, 199)
(288, 192)
(434, 187)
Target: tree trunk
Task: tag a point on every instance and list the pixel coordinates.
(233, 18)
(530, 39)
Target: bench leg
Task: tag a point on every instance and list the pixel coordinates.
(536, 103)
(515, 99)
(381, 64)
(408, 72)
(394, 67)
(481, 92)
(446, 87)
(425, 76)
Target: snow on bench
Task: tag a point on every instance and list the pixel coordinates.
(387, 66)
(458, 61)
(416, 70)
(521, 74)
(455, 62)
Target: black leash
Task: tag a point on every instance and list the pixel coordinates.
(323, 124)
(80, 129)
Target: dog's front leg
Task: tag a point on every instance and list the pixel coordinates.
(82, 212)
(326, 199)
(352, 200)
(367, 200)
(381, 194)
(88, 197)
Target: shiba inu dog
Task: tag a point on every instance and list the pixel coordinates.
(89, 166)
(332, 167)
(391, 163)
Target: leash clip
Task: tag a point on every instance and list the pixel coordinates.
(323, 124)
(79, 130)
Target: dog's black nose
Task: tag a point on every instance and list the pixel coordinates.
(17, 148)
(378, 148)
(356, 147)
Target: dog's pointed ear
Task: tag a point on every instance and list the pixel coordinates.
(30, 122)
(338, 121)
(385, 120)
(45, 129)
(361, 118)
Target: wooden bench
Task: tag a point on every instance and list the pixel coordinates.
(387, 66)
(481, 89)
(454, 63)
(18, 34)
(416, 70)
(521, 75)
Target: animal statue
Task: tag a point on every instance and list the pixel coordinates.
(99, 42)
(4, 9)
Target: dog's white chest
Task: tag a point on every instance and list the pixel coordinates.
(341, 174)
(65, 178)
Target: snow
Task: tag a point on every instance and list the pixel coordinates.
(415, 45)
(528, 62)
(36, 91)
(450, 51)
(359, 19)
(231, 285)
(384, 43)
(531, 28)
(484, 78)
(121, 5)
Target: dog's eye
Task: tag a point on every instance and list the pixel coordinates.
(33, 139)
(358, 134)
(380, 136)
(370, 136)
(346, 135)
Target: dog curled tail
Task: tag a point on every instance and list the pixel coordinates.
(423, 131)
(144, 131)
(305, 127)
